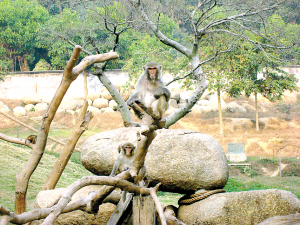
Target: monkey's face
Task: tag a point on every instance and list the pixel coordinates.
(128, 150)
(152, 71)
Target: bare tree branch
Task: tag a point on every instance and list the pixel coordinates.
(31, 128)
(70, 74)
(81, 126)
(158, 33)
(64, 205)
(16, 140)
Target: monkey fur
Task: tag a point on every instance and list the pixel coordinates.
(150, 92)
(125, 161)
(31, 138)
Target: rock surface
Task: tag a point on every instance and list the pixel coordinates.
(100, 103)
(182, 160)
(292, 219)
(19, 111)
(248, 207)
(49, 197)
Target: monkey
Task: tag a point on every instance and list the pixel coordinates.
(125, 161)
(31, 138)
(125, 158)
(151, 92)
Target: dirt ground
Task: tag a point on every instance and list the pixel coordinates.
(282, 133)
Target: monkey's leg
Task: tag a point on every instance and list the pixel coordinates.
(159, 107)
(147, 120)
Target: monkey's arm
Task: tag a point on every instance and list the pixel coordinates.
(162, 91)
(133, 98)
(115, 168)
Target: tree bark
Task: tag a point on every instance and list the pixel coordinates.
(220, 113)
(70, 74)
(198, 92)
(256, 113)
(64, 206)
(80, 127)
(122, 106)
(193, 57)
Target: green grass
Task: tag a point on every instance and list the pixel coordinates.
(13, 159)
(15, 156)
(290, 183)
(168, 198)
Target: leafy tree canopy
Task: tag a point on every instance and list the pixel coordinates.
(19, 23)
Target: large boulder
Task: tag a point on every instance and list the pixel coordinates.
(29, 107)
(248, 207)
(49, 197)
(100, 103)
(282, 220)
(182, 160)
(71, 105)
(4, 108)
(41, 107)
(19, 111)
(93, 96)
(235, 107)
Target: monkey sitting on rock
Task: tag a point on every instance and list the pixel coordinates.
(125, 160)
(150, 92)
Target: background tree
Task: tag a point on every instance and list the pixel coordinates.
(249, 63)
(19, 23)
(209, 18)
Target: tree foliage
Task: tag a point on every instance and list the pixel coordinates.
(19, 25)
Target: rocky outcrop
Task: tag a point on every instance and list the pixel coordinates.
(249, 207)
(182, 160)
(49, 197)
(234, 107)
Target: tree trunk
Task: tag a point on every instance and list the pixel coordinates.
(70, 74)
(198, 92)
(143, 211)
(220, 113)
(80, 126)
(256, 113)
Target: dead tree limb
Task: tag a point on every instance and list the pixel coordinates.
(159, 207)
(70, 74)
(30, 128)
(81, 126)
(14, 140)
(64, 205)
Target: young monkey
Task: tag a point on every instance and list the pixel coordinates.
(124, 162)
(31, 138)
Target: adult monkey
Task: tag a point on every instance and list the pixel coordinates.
(150, 92)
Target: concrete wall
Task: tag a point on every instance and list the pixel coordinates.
(44, 85)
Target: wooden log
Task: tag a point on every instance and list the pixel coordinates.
(121, 208)
(143, 211)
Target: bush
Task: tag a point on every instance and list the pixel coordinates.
(42, 65)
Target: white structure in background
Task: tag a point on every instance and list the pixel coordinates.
(236, 152)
